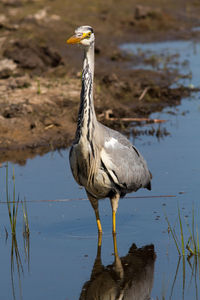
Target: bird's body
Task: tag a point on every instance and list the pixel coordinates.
(101, 159)
(115, 167)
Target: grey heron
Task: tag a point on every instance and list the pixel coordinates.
(102, 160)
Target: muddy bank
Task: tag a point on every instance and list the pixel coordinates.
(40, 74)
(37, 115)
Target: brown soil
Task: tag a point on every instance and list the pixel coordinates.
(40, 85)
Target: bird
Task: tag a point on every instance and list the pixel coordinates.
(102, 160)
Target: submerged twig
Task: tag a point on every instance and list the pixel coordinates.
(108, 115)
(148, 120)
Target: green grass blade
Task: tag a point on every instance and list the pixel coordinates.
(193, 236)
(173, 235)
(15, 216)
(181, 228)
(25, 215)
(183, 277)
(174, 281)
(8, 199)
(197, 241)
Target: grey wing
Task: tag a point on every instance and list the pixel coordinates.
(124, 163)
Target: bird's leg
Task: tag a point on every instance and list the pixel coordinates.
(115, 244)
(99, 240)
(94, 203)
(118, 264)
(97, 267)
(114, 204)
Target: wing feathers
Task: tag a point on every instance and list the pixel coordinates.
(125, 165)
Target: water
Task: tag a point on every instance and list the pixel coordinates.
(196, 29)
(63, 235)
(175, 55)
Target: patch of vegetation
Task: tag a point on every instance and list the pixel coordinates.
(191, 246)
(12, 205)
(15, 256)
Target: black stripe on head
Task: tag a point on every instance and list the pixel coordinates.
(84, 28)
(90, 28)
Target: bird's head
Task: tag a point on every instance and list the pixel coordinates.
(84, 35)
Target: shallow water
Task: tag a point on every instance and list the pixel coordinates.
(169, 55)
(63, 235)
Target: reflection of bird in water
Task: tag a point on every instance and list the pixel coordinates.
(128, 278)
(102, 160)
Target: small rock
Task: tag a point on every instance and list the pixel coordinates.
(13, 11)
(2, 41)
(41, 14)
(7, 66)
(142, 12)
(110, 79)
(9, 27)
(5, 24)
(19, 83)
(55, 17)
(3, 19)
(11, 2)
(47, 122)
(12, 111)
(116, 56)
(33, 57)
(79, 74)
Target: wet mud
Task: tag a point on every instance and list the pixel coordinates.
(40, 75)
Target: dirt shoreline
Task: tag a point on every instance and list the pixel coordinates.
(40, 74)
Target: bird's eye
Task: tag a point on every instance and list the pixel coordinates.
(89, 34)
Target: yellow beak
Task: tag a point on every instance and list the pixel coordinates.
(74, 40)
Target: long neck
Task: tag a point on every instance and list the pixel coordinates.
(87, 117)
